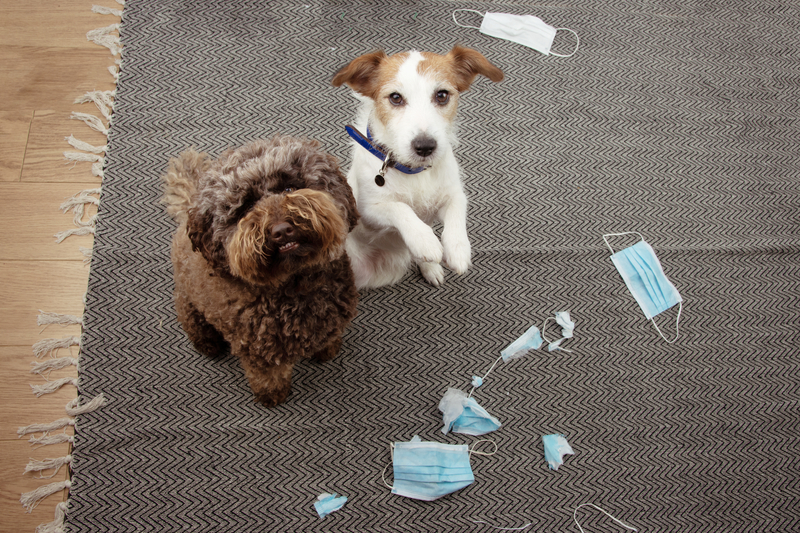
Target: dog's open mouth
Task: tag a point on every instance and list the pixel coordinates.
(289, 247)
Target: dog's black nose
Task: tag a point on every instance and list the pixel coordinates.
(423, 145)
(282, 231)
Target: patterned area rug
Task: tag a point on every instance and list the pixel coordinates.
(674, 119)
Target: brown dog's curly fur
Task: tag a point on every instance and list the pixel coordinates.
(259, 256)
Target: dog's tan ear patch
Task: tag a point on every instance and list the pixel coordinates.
(467, 63)
(361, 74)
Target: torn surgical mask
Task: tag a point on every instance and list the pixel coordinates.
(429, 470)
(462, 414)
(526, 30)
(641, 270)
(567, 325)
(555, 448)
(328, 503)
(530, 340)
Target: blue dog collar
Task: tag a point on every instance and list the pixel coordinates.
(379, 151)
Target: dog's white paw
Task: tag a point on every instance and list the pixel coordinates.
(433, 272)
(457, 255)
(425, 246)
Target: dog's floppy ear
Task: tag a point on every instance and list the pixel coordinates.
(468, 63)
(198, 226)
(360, 74)
(344, 195)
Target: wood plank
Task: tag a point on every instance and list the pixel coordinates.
(14, 127)
(28, 286)
(20, 406)
(51, 78)
(32, 210)
(44, 156)
(13, 483)
(46, 23)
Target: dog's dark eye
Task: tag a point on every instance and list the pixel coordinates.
(442, 97)
(289, 189)
(396, 99)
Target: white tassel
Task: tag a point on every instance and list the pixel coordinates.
(121, 2)
(102, 10)
(53, 364)
(30, 500)
(92, 121)
(48, 346)
(57, 525)
(44, 428)
(73, 409)
(86, 147)
(63, 235)
(78, 204)
(35, 465)
(104, 100)
(114, 72)
(103, 37)
(47, 439)
(47, 318)
(52, 386)
(98, 161)
(87, 254)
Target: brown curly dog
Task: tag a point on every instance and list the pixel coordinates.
(259, 257)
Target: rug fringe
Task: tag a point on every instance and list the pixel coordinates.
(104, 101)
(73, 409)
(45, 428)
(57, 525)
(46, 318)
(53, 364)
(52, 386)
(47, 439)
(87, 254)
(48, 346)
(55, 464)
(31, 499)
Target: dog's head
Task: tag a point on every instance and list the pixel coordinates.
(271, 208)
(414, 97)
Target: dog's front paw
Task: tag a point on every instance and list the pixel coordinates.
(425, 246)
(433, 272)
(457, 255)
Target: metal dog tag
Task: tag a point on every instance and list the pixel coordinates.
(379, 181)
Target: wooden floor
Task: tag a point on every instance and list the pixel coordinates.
(45, 63)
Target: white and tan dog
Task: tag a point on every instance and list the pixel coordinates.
(408, 111)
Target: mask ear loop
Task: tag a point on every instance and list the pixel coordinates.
(486, 374)
(475, 445)
(473, 27)
(617, 235)
(677, 322)
(577, 44)
(544, 327)
(383, 474)
(575, 517)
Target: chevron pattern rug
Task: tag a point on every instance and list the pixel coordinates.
(678, 120)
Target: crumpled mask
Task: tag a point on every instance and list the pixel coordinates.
(328, 503)
(462, 414)
(555, 448)
(530, 340)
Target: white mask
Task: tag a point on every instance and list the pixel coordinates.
(526, 30)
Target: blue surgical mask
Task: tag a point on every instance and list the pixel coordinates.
(427, 471)
(555, 448)
(462, 414)
(641, 270)
(530, 340)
